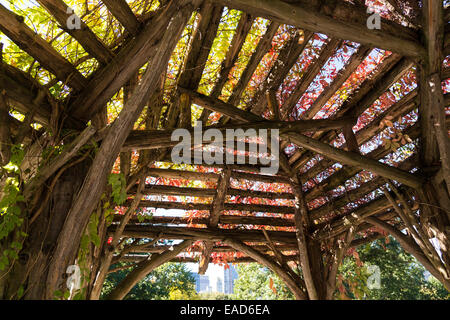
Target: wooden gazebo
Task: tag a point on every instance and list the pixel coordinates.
(364, 149)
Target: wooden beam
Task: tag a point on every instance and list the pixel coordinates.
(155, 139)
(264, 45)
(302, 224)
(350, 139)
(209, 193)
(148, 231)
(386, 65)
(410, 246)
(50, 168)
(302, 17)
(347, 172)
(221, 248)
(353, 195)
(5, 134)
(310, 74)
(343, 223)
(356, 160)
(13, 26)
(207, 207)
(354, 62)
(203, 38)
(381, 87)
(26, 94)
(435, 141)
(328, 151)
(88, 39)
(272, 103)
(400, 108)
(218, 204)
(286, 59)
(187, 259)
(122, 11)
(223, 219)
(209, 18)
(212, 177)
(105, 82)
(321, 231)
(217, 207)
(242, 30)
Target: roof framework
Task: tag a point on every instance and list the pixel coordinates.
(338, 186)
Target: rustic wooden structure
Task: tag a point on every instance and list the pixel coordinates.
(303, 243)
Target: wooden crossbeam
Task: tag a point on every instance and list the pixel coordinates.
(208, 22)
(207, 207)
(302, 17)
(346, 172)
(122, 11)
(262, 248)
(354, 62)
(154, 139)
(321, 231)
(90, 42)
(342, 224)
(358, 193)
(328, 151)
(218, 204)
(186, 259)
(435, 141)
(147, 231)
(223, 219)
(13, 26)
(25, 93)
(213, 177)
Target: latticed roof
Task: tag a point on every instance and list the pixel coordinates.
(345, 98)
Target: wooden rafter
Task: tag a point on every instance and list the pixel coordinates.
(299, 15)
(15, 28)
(90, 42)
(122, 11)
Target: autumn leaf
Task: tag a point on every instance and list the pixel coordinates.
(271, 286)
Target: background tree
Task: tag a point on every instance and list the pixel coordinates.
(402, 277)
(257, 282)
(170, 281)
(215, 296)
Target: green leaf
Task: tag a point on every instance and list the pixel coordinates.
(20, 292)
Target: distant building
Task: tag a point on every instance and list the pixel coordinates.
(223, 284)
(229, 275)
(202, 283)
(219, 284)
